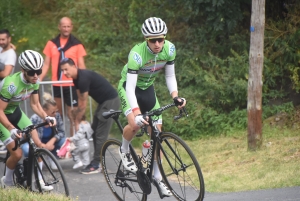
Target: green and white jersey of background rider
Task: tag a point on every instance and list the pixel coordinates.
(14, 89)
(148, 64)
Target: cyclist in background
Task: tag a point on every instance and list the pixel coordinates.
(8, 59)
(13, 90)
(136, 89)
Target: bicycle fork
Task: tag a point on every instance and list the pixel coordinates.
(182, 165)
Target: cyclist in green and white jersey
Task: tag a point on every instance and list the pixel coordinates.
(136, 89)
(13, 90)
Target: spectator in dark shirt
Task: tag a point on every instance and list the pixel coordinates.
(89, 83)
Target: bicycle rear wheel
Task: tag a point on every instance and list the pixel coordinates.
(122, 183)
(54, 178)
(179, 168)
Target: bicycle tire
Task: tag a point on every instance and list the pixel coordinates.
(113, 168)
(55, 178)
(185, 181)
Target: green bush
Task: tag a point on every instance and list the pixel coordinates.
(212, 42)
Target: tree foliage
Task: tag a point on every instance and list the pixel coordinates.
(212, 41)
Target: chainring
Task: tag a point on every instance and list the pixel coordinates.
(144, 182)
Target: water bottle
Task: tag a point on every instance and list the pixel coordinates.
(146, 147)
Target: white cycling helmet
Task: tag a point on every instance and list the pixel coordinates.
(154, 26)
(31, 60)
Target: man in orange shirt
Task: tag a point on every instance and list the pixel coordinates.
(65, 45)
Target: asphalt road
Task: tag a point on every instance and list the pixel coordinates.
(94, 187)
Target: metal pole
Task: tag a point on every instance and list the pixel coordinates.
(62, 98)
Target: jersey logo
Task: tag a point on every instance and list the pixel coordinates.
(137, 58)
(1, 134)
(172, 50)
(11, 89)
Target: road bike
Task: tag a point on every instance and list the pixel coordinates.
(26, 172)
(179, 167)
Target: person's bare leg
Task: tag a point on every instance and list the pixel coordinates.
(131, 128)
(70, 116)
(59, 106)
(129, 132)
(14, 157)
(11, 163)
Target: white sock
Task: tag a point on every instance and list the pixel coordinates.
(41, 167)
(9, 176)
(125, 146)
(156, 172)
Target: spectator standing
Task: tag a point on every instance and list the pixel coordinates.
(8, 59)
(81, 154)
(63, 45)
(90, 83)
(8, 56)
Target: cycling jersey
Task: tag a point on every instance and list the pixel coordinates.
(14, 89)
(146, 65)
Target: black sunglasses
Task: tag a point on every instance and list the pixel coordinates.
(153, 40)
(33, 72)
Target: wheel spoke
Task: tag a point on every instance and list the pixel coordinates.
(180, 169)
(50, 177)
(122, 183)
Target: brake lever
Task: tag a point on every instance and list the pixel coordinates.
(16, 145)
(142, 131)
(17, 140)
(181, 111)
(178, 116)
(184, 110)
(54, 128)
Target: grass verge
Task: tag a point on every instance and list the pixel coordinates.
(18, 194)
(228, 166)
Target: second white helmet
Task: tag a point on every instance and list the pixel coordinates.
(31, 60)
(154, 26)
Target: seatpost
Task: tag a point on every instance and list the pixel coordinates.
(116, 118)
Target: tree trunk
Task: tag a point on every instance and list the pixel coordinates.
(256, 59)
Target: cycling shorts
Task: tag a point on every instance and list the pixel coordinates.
(18, 119)
(68, 100)
(146, 99)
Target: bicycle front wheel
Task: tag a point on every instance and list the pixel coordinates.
(179, 168)
(46, 176)
(122, 183)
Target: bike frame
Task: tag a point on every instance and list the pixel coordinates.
(32, 150)
(154, 137)
(155, 133)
